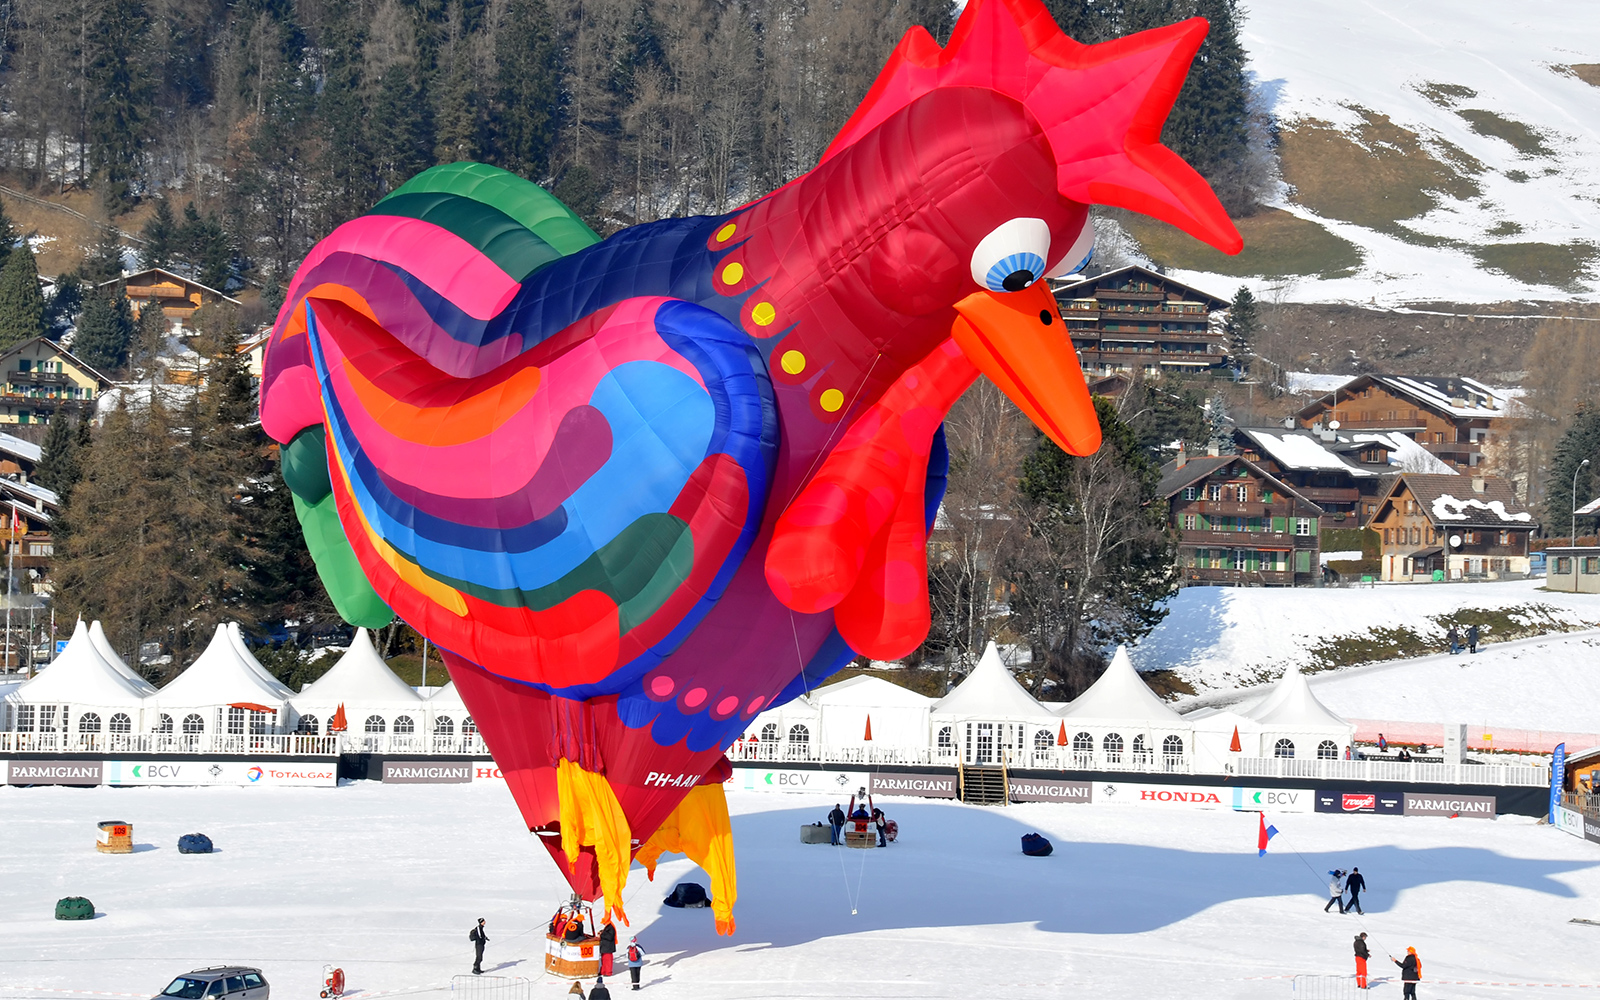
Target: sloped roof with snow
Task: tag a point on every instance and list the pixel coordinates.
(1291, 705)
(1405, 453)
(1120, 695)
(1302, 449)
(220, 677)
(1451, 501)
(359, 679)
(990, 692)
(102, 645)
(79, 676)
(870, 692)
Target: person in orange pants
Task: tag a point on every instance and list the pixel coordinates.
(1362, 954)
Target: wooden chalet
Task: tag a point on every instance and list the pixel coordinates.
(1238, 525)
(1343, 475)
(178, 297)
(42, 380)
(1449, 417)
(27, 511)
(1447, 527)
(1134, 319)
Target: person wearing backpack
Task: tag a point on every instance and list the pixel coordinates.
(479, 937)
(635, 961)
(608, 947)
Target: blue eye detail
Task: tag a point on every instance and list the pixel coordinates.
(1014, 272)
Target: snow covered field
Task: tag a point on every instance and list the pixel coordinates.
(385, 881)
(1220, 638)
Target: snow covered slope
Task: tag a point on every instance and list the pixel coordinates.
(1219, 638)
(385, 880)
(1473, 100)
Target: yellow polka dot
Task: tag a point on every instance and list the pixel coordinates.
(793, 362)
(831, 400)
(732, 273)
(763, 314)
(726, 233)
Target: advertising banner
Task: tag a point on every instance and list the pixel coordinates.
(1591, 830)
(842, 783)
(1569, 821)
(926, 784)
(1388, 803)
(53, 772)
(1168, 796)
(1558, 778)
(221, 772)
(427, 772)
(1444, 804)
(1051, 790)
(1274, 800)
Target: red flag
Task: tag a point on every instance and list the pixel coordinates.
(1267, 833)
(1234, 746)
(868, 736)
(1061, 737)
(337, 724)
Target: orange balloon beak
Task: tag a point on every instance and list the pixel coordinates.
(1019, 340)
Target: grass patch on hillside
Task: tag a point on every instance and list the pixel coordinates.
(1587, 72)
(1524, 138)
(1506, 228)
(1376, 177)
(1563, 266)
(1275, 244)
(1403, 642)
(1166, 683)
(1446, 95)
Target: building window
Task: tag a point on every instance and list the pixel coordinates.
(1266, 494)
(1591, 565)
(468, 727)
(1472, 537)
(769, 732)
(1112, 745)
(193, 725)
(1042, 741)
(24, 718)
(88, 722)
(308, 725)
(1388, 536)
(1190, 522)
(799, 734)
(1244, 493)
(120, 723)
(1505, 538)
(374, 724)
(1172, 746)
(1302, 525)
(444, 726)
(1215, 491)
(946, 738)
(404, 725)
(1083, 743)
(165, 725)
(1563, 564)
(1327, 750)
(1283, 748)
(1191, 493)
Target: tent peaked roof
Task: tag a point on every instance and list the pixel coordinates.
(360, 678)
(80, 676)
(1121, 695)
(871, 692)
(446, 698)
(236, 636)
(1291, 703)
(990, 692)
(102, 645)
(220, 677)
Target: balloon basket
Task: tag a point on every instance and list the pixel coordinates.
(862, 839)
(572, 959)
(115, 836)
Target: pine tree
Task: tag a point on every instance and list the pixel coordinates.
(1580, 441)
(22, 309)
(59, 467)
(9, 237)
(1244, 322)
(160, 236)
(1210, 124)
(528, 94)
(105, 329)
(402, 127)
(122, 89)
(104, 260)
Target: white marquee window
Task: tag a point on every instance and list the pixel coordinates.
(88, 722)
(1172, 746)
(946, 738)
(1283, 748)
(444, 726)
(404, 725)
(1043, 741)
(193, 725)
(309, 724)
(1327, 750)
(1083, 743)
(769, 732)
(468, 727)
(1112, 744)
(24, 718)
(374, 724)
(120, 723)
(165, 724)
(799, 734)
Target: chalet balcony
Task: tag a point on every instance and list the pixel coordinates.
(1397, 424)
(1455, 452)
(1129, 295)
(1329, 494)
(37, 378)
(1194, 576)
(1272, 540)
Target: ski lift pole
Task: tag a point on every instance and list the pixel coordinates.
(11, 553)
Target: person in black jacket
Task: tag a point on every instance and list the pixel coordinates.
(599, 992)
(608, 947)
(880, 821)
(1362, 954)
(1353, 884)
(836, 820)
(479, 937)
(1472, 638)
(1410, 973)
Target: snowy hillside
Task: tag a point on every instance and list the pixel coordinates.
(1434, 150)
(384, 880)
(1219, 638)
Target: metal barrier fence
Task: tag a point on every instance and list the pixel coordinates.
(1506, 775)
(491, 988)
(469, 745)
(1323, 988)
(186, 743)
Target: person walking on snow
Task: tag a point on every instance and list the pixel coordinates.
(1472, 638)
(836, 821)
(599, 992)
(576, 991)
(1335, 890)
(882, 823)
(636, 959)
(1355, 883)
(1410, 973)
(1454, 638)
(608, 947)
(1362, 954)
(479, 937)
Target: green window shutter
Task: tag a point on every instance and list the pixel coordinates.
(1278, 525)
(1314, 526)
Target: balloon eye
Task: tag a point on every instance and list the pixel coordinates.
(1078, 254)
(1013, 256)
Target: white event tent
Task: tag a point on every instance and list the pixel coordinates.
(79, 692)
(374, 699)
(988, 714)
(236, 637)
(222, 693)
(1295, 724)
(447, 717)
(97, 635)
(1120, 720)
(899, 717)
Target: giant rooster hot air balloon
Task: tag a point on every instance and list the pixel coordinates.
(639, 489)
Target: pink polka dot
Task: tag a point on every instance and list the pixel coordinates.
(694, 697)
(754, 706)
(728, 705)
(912, 381)
(899, 582)
(661, 686)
